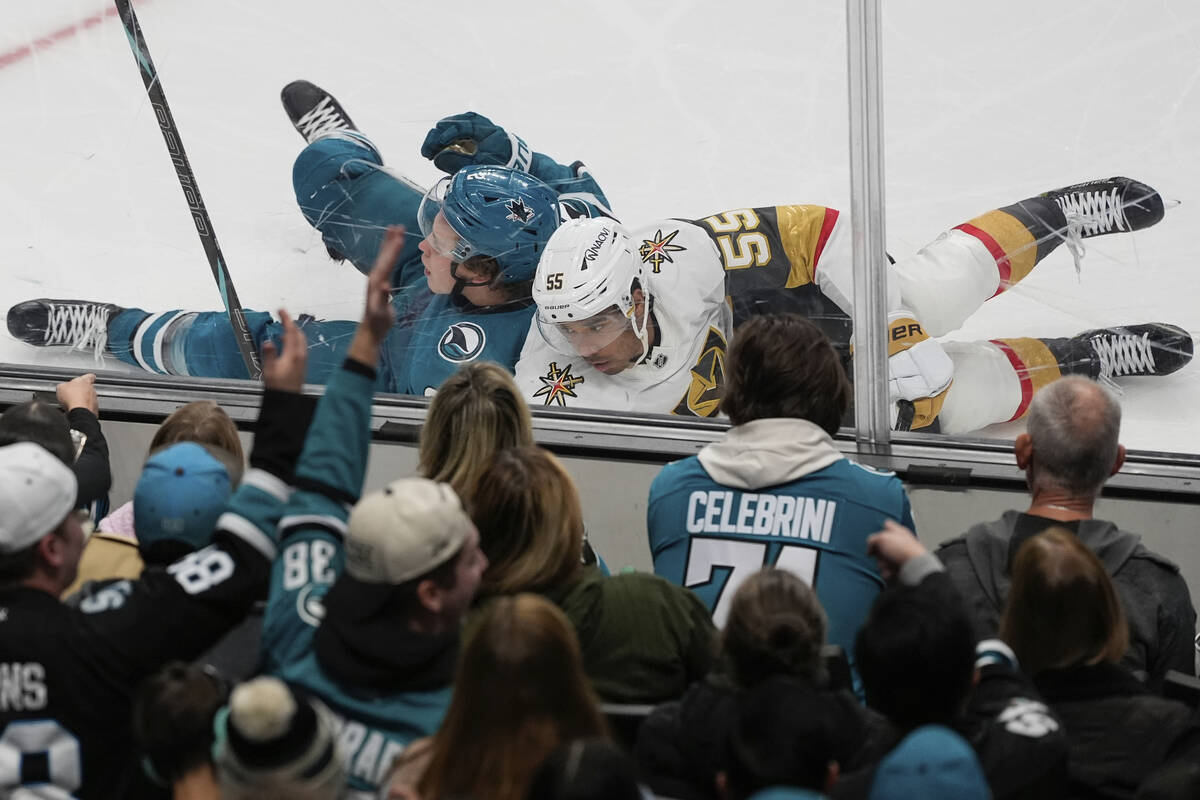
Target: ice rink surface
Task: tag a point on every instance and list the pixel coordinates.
(679, 108)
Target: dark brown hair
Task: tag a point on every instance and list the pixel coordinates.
(1062, 608)
(530, 522)
(781, 365)
(776, 626)
(41, 423)
(173, 718)
(520, 691)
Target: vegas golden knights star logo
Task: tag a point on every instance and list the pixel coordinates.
(708, 379)
(657, 250)
(558, 385)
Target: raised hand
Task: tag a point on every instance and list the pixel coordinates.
(378, 312)
(79, 393)
(285, 371)
(893, 547)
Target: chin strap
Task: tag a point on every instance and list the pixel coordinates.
(642, 333)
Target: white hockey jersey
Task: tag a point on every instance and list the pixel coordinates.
(703, 276)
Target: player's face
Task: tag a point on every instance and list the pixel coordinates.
(607, 340)
(434, 247)
(438, 265)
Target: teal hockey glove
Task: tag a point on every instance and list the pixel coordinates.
(467, 139)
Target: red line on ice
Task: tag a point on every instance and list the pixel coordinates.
(54, 37)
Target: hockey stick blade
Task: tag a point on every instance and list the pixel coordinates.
(187, 182)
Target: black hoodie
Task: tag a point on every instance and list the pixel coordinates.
(1154, 595)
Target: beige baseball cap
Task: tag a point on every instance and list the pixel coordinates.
(404, 531)
(37, 491)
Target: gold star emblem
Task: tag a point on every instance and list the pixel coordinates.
(657, 250)
(558, 385)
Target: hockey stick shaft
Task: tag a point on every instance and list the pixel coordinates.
(187, 182)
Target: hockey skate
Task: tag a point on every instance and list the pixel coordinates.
(1115, 205)
(77, 324)
(314, 112)
(1153, 348)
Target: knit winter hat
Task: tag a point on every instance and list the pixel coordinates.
(932, 762)
(268, 738)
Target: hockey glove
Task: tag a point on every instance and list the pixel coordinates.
(919, 373)
(468, 139)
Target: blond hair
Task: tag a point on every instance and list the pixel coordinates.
(203, 422)
(530, 523)
(477, 412)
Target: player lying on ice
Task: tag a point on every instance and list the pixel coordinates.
(639, 318)
(463, 290)
(669, 339)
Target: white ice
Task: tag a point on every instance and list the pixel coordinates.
(680, 109)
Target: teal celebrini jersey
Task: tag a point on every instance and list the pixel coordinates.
(451, 332)
(385, 691)
(774, 492)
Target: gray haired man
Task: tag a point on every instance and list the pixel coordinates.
(1069, 450)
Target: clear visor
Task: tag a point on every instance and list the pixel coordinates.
(586, 336)
(437, 230)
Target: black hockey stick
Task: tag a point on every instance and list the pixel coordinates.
(187, 182)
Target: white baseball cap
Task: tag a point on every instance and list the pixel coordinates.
(404, 531)
(37, 491)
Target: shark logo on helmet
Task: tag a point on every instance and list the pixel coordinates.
(518, 211)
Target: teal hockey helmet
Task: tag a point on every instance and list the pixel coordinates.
(499, 212)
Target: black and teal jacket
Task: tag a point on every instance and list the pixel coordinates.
(383, 699)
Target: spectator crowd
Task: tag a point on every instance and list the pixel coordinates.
(258, 627)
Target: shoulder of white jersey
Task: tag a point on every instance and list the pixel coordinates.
(678, 255)
(534, 351)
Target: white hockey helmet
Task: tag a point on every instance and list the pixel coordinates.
(584, 287)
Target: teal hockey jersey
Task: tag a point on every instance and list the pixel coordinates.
(710, 536)
(451, 332)
(376, 724)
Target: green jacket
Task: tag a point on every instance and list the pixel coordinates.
(644, 639)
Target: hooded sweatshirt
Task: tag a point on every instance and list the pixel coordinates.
(774, 492)
(1153, 594)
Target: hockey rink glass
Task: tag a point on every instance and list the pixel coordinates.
(441, 236)
(586, 336)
